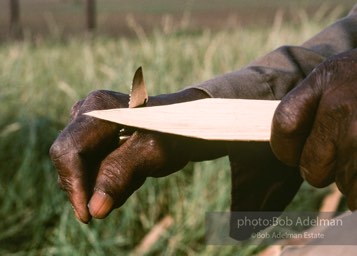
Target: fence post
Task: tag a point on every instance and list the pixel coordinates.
(91, 14)
(15, 27)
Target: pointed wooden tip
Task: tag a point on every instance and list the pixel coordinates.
(210, 119)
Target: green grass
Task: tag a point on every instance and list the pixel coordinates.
(40, 80)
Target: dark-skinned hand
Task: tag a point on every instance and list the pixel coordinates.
(98, 174)
(315, 126)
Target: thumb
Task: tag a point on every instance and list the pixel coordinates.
(124, 171)
(294, 118)
(115, 182)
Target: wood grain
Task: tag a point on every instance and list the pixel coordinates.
(210, 119)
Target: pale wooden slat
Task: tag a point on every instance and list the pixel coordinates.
(211, 119)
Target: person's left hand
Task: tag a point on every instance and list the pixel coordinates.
(98, 174)
(315, 126)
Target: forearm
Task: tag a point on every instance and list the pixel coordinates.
(275, 74)
(269, 77)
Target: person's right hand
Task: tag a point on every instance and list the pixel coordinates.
(315, 126)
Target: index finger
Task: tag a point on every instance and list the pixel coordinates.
(81, 146)
(70, 173)
(293, 120)
(76, 154)
(79, 149)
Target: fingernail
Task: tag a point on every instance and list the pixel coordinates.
(100, 204)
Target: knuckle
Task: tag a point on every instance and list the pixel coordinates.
(155, 149)
(75, 109)
(67, 162)
(111, 171)
(98, 94)
(103, 99)
(94, 100)
(284, 121)
(113, 175)
(151, 141)
(56, 150)
(63, 145)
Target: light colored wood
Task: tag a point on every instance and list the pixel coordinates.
(210, 119)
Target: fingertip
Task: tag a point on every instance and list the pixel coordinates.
(82, 216)
(100, 205)
(288, 134)
(79, 199)
(293, 120)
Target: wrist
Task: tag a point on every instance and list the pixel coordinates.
(189, 94)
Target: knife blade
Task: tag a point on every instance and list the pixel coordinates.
(138, 94)
(138, 98)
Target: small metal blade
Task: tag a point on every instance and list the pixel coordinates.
(138, 98)
(138, 94)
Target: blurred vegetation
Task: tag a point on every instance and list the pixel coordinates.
(40, 80)
(65, 18)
